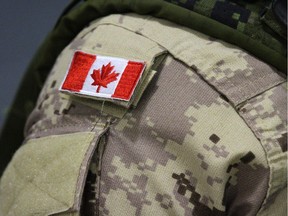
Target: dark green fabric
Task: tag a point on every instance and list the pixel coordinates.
(271, 21)
(74, 21)
(243, 16)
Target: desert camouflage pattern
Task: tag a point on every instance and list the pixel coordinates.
(266, 114)
(208, 136)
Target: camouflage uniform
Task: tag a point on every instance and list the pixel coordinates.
(205, 134)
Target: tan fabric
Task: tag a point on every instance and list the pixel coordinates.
(278, 206)
(43, 176)
(266, 114)
(181, 155)
(206, 138)
(116, 41)
(232, 71)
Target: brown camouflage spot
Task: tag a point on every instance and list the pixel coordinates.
(53, 84)
(165, 200)
(214, 138)
(283, 142)
(199, 209)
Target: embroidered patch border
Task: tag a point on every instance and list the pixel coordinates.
(100, 76)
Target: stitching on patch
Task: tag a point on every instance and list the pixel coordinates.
(90, 75)
(128, 80)
(78, 71)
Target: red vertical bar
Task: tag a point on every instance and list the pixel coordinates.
(128, 80)
(78, 71)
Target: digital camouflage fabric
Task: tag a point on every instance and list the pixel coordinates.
(205, 135)
(75, 18)
(247, 17)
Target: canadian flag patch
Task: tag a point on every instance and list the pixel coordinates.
(102, 76)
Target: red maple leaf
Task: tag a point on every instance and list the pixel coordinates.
(104, 77)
